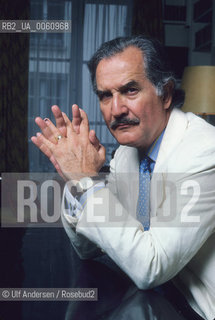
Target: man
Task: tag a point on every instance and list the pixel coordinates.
(138, 97)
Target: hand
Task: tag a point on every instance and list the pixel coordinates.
(75, 153)
(61, 125)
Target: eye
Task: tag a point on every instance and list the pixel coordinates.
(104, 95)
(131, 91)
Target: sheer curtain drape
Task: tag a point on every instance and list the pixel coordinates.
(101, 23)
(49, 72)
(58, 71)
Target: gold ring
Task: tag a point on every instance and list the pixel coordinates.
(58, 137)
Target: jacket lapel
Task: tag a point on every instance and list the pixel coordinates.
(174, 133)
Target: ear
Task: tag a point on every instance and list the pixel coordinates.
(168, 93)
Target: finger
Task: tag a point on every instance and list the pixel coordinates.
(54, 131)
(94, 140)
(76, 118)
(102, 153)
(42, 124)
(69, 126)
(60, 123)
(84, 126)
(42, 141)
(41, 146)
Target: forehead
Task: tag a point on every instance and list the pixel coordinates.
(120, 69)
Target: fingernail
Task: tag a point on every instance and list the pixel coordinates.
(46, 119)
(38, 134)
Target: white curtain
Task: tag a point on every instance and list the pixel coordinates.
(49, 72)
(101, 23)
(58, 71)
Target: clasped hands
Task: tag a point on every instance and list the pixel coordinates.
(73, 149)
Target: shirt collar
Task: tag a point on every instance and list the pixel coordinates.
(153, 150)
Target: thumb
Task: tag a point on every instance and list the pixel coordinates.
(94, 140)
(102, 152)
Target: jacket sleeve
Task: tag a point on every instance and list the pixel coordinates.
(183, 223)
(85, 248)
(82, 245)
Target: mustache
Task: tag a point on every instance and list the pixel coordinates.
(114, 124)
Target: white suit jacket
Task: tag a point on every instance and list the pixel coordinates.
(180, 242)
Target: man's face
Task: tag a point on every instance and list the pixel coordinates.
(133, 112)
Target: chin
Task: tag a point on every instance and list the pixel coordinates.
(126, 142)
(132, 141)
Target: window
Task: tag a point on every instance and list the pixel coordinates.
(58, 71)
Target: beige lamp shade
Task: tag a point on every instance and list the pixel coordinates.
(199, 85)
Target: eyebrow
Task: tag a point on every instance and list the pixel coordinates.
(121, 89)
(129, 85)
(101, 93)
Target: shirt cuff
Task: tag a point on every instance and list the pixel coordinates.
(74, 206)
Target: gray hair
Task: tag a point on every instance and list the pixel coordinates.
(156, 63)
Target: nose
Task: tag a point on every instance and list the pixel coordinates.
(119, 107)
